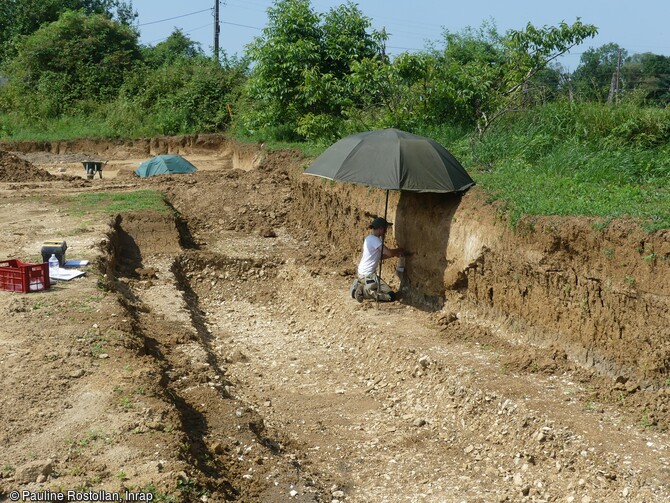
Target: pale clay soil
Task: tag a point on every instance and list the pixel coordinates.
(218, 356)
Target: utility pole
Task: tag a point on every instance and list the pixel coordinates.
(618, 77)
(614, 84)
(217, 29)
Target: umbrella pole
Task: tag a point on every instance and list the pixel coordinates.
(381, 258)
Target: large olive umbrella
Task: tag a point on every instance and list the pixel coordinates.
(392, 159)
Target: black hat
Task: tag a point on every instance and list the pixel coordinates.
(379, 222)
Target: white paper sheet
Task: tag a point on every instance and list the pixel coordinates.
(65, 274)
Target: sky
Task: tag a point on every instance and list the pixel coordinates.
(639, 26)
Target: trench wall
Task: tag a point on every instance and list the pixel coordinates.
(601, 294)
(243, 156)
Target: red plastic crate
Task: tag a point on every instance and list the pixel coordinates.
(17, 276)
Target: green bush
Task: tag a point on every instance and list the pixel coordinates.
(319, 127)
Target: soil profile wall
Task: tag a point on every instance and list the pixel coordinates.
(601, 294)
(244, 156)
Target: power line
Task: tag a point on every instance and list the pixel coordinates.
(243, 25)
(185, 32)
(404, 48)
(176, 17)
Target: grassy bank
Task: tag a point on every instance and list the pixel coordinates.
(587, 160)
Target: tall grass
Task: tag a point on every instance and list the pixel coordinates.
(14, 128)
(588, 159)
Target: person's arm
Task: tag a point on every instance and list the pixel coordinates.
(393, 252)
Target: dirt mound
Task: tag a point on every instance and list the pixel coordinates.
(15, 169)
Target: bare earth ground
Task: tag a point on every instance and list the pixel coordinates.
(216, 355)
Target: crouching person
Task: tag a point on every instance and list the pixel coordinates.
(369, 285)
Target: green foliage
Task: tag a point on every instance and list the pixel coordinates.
(470, 67)
(289, 45)
(475, 79)
(487, 75)
(176, 47)
(547, 85)
(190, 95)
(593, 77)
(185, 97)
(319, 127)
(648, 74)
(78, 57)
(346, 39)
(643, 78)
(301, 64)
(407, 93)
(24, 17)
(18, 127)
(642, 128)
(567, 159)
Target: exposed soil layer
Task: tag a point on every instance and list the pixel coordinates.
(213, 352)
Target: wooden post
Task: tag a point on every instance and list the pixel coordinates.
(217, 29)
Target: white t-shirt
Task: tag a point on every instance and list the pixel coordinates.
(372, 251)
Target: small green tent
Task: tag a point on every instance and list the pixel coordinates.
(165, 165)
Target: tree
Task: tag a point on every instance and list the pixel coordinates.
(472, 66)
(176, 47)
(650, 73)
(298, 83)
(190, 95)
(477, 76)
(547, 84)
(24, 17)
(78, 57)
(290, 43)
(487, 75)
(401, 93)
(346, 38)
(327, 89)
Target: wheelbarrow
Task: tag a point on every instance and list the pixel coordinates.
(93, 167)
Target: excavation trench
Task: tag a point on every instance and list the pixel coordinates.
(220, 430)
(285, 388)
